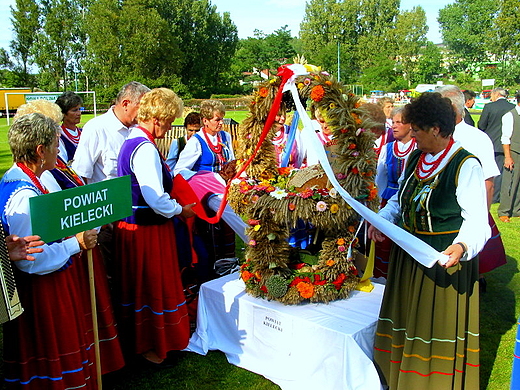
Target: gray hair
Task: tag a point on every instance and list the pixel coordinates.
(27, 132)
(132, 91)
(209, 107)
(396, 110)
(456, 96)
(500, 91)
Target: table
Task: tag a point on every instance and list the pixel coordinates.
(308, 346)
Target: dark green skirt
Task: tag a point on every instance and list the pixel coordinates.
(428, 331)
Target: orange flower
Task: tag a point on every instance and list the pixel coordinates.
(305, 289)
(356, 118)
(317, 93)
(351, 229)
(334, 208)
(246, 275)
(330, 262)
(263, 92)
(284, 171)
(355, 171)
(328, 82)
(340, 241)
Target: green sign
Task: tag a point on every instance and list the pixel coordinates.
(65, 213)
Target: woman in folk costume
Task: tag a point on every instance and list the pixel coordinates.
(390, 165)
(61, 178)
(70, 104)
(49, 346)
(153, 314)
(204, 164)
(428, 331)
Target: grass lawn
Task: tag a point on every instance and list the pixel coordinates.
(499, 311)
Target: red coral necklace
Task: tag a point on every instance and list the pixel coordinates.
(400, 155)
(423, 171)
(33, 177)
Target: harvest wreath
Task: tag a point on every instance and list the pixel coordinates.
(277, 201)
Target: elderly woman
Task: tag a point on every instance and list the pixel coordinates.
(393, 157)
(70, 104)
(427, 334)
(205, 155)
(154, 317)
(63, 177)
(49, 345)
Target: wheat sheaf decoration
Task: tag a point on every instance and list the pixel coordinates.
(287, 206)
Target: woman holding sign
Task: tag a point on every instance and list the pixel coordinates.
(48, 346)
(153, 312)
(427, 334)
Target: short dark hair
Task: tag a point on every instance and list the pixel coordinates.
(517, 96)
(429, 110)
(193, 118)
(68, 100)
(469, 94)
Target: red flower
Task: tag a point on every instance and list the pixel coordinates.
(352, 146)
(355, 171)
(253, 222)
(318, 281)
(339, 280)
(264, 289)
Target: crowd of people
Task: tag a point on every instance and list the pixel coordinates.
(436, 178)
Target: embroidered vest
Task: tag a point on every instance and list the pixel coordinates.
(208, 160)
(429, 208)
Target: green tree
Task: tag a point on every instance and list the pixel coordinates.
(59, 43)
(26, 23)
(327, 25)
(410, 36)
(429, 65)
(504, 42)
(465, 24)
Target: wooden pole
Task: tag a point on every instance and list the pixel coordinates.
(94, 317)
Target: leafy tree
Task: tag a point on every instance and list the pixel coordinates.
(504, 41)
(429, 65)
(410, 36)
(465, 24)
(326, 25)
(59, 43)
(26, 23)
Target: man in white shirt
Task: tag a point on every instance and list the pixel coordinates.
(509, 197)
(96, 156)
(472, 139)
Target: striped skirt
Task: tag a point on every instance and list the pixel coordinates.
(428, 331)
(151, 305)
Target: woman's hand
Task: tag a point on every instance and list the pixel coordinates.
(375, 234)
(87, 239)
(455, 253)
(21, 248)
(187, 211)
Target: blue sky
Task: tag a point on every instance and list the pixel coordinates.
(265, 15)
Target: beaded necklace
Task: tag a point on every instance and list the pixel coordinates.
(217, 149)
(423, 171)
(33, 177)
(401, 155)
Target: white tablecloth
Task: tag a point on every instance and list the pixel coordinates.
(310, 346)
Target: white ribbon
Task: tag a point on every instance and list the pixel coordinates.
(419, 250)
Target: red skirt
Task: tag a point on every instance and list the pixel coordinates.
(49, 346)
(109, 347)
(153, 312)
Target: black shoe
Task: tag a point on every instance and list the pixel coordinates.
(482, 285)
